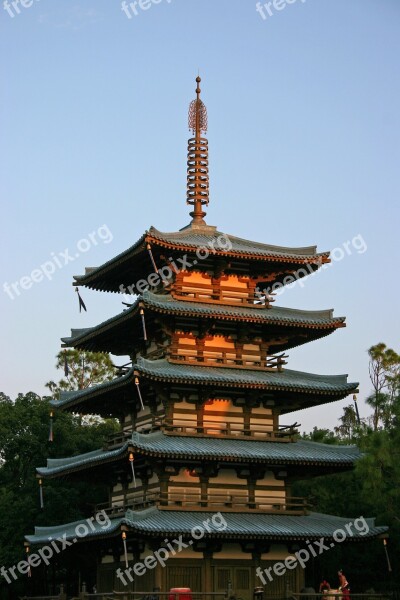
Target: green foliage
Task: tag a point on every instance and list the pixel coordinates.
(24, 431)
(384, 373)
(320, 435)
(84, 369)
(373, 487)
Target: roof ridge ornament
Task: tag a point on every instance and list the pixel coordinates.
(197, 164)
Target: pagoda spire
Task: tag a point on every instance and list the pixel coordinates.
(197, 163)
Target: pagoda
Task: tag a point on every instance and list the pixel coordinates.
(201, 472)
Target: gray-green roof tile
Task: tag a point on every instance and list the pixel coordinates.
(162, 370)
(210, 448)
(199, 238)
(274, 315)
(286, 379)
(155, 522)
(190, 239)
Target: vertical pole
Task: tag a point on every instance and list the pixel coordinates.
(207, 576)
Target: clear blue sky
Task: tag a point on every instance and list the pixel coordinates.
(304, 149)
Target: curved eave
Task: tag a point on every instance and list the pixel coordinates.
(318, 324)
(244, 525)
(274, 315)
(81, 338)
(89, 460)
(153, 522)
(71, 399)
(287, 380)
(93, 275)
(158, 445)
(316, 389)
(257, 252)
(295, 382)
(121, 270)
(67, 531)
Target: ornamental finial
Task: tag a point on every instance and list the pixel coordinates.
(197, 171)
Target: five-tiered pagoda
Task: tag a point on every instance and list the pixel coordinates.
(202, 468)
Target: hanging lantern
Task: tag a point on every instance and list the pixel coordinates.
(131, 459)
(41, 493)
(27, 550)
(387, 555)
(143, 324)
(138, 391)
(51, 436)
(152, 258)
(125, 548)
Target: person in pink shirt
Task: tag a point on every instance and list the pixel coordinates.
(343, 585)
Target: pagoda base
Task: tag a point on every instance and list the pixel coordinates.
(230, 571)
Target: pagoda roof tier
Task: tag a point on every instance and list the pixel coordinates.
(300, 390)
(153, 522)
(114, 336)
(159, 445)
(136, 264)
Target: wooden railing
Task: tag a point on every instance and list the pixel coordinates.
(116, 440)
(138, 502)
(219, 294)
(285, 433)
(269, 504)
(212, 501)
(226, 357)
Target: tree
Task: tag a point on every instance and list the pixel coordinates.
(384, 373)
(348, 424)
(320, 435)
(373, 487)
(24, 445)
(81, 370)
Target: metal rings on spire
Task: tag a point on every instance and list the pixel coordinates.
(197, 193)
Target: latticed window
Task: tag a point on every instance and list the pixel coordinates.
(184, 576)
(242, 581)
(223, 577)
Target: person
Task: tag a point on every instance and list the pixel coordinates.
(324, 586)
(343, 585)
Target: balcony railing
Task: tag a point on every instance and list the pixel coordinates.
(186, 427)
(230, 502)
(212, 501)
(220, 294)
(226, 357)
(286, 433)
(148, 425)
